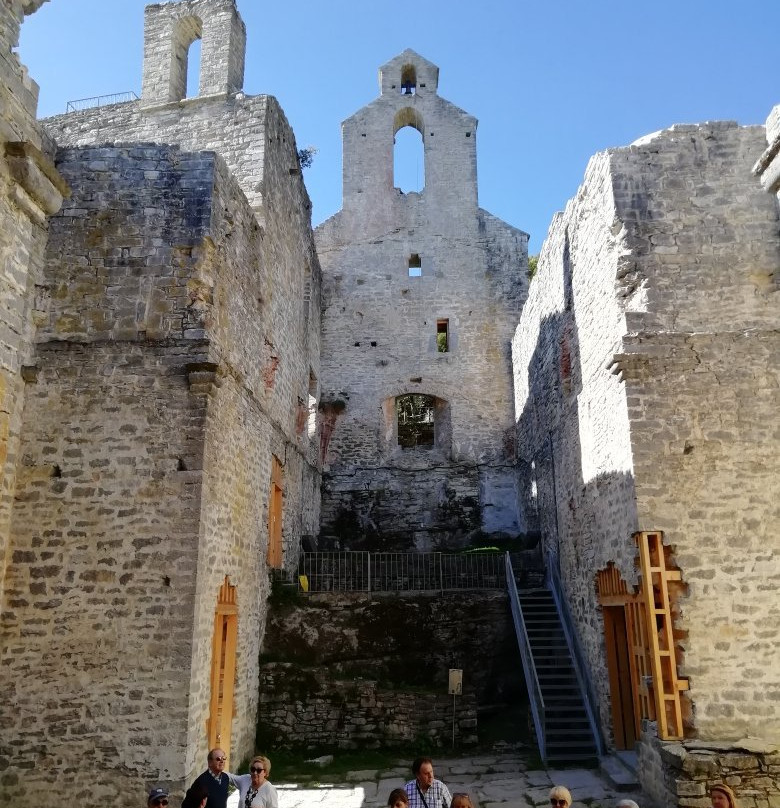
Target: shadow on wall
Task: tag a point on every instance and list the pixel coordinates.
(583, 524)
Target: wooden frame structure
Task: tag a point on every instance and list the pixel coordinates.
(223, 668)
(275, 556)
(650, 640)
(665, 685)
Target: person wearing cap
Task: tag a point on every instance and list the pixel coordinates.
(157, 798)
(425, 791)
(721, 796)
(216, 780)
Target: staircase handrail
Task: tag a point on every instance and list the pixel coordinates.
(578, 658)
(529, 669)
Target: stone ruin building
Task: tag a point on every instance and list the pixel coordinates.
(166, 332)
(421, 294)
(160, 349)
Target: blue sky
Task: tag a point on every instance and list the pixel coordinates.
(551, 82)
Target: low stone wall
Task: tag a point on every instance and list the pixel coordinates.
(682, 774)
(344, 670)
(308, 708)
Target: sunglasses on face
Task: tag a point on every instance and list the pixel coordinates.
(160, 801)
(255, 770)
(559, 802)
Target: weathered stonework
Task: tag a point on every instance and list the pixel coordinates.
(30, 189)
(170, 350)
(682, 774)
(646, 379)
(380, 324)
(347, 670)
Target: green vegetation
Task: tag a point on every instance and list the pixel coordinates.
(306, 156)
(533, 263)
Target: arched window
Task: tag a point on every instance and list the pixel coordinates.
(408, 151)
(187, 31)
(408, 80)
(408, 161)
(193, 68)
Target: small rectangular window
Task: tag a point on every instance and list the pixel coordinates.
(415, 266)
(443, 336)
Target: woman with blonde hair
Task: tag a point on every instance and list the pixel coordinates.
(560, 797)
(254, 790)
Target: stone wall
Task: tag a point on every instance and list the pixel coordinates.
(337, 668)
(234, 126)
(645, 374)
(30, 190)
(682, 774)
(380, 332)
(303, 709)
(146, 466)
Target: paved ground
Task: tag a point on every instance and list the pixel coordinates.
(497, 781)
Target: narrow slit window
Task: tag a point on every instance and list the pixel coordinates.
(193, 68)
(415, 266)
(443, 336)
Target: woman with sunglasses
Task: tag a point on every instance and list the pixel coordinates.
(254, 789)
(560, 797)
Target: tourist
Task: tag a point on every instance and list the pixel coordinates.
(425, 791)
(158, 798)
(398, 799)
(254, 790)
(627, 804)
(560, 797)
(721, 796)
(216, 780)
(460, 799)
(196, 796)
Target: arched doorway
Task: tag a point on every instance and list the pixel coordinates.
(223, 667)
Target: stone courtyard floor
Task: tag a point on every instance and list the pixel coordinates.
(493, 781)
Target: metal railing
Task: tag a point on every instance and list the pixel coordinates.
(529, 669)
(577, 656)
(356, 571)
(100, 101)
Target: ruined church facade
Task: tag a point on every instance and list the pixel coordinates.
(421, 292)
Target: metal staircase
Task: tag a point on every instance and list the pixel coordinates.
(568, 734)
(565, 727)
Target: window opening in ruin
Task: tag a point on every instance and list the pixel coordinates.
(415, 266)
(416, 416)
(193, 68)
(408, 160)
(223, 668)
(408, 80)
(443, 336)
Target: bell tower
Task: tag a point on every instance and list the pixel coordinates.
(169, 31)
